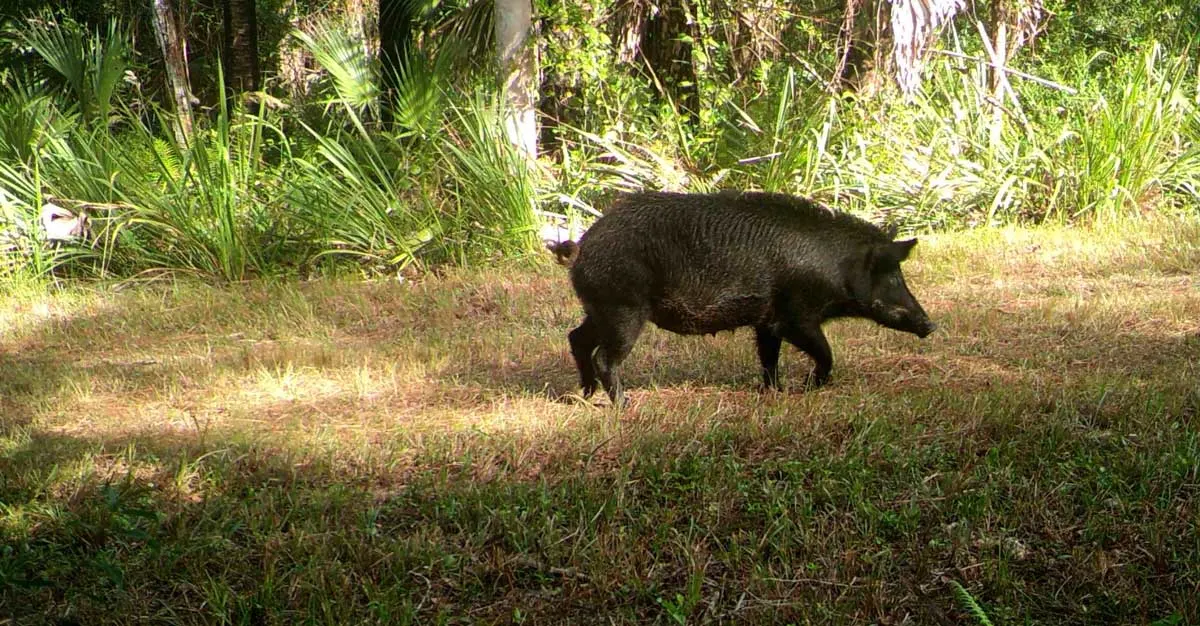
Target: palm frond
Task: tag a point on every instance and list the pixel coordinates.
(913, 25)
(61, 45)
(347, 63)
(110, 58)
(92, 66)
(420, 89)
(468, 30)
(27, 113)
(495, 188)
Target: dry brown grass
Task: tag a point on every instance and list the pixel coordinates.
(335, 451)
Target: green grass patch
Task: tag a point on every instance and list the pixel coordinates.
(398, 452)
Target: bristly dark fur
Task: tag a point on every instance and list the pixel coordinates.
(702, 263)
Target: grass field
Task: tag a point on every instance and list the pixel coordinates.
(341, 452)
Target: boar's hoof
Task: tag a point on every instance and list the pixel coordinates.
(815, 380)
(617, 405)
(571, 398)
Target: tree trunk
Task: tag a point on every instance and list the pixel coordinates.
(851, 54)
(667, 47)
(240, 49)
(518, 72)
(753, 32)
(998, 16)
(173, 45)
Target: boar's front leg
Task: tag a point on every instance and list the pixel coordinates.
(812, 340)
(583, 344)
(768, 355)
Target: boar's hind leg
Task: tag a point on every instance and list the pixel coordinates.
(811, 340)
(617, 331)
(768, 355)
(583, 344)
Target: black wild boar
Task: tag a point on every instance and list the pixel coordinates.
(703, 263)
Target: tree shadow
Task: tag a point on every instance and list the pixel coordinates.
(125, 502)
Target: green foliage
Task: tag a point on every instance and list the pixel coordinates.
(492, 183)
(198, 211)
(787, 149)
(969, 604)
(295, 187)
(354, 78)
(420, 101)
(24, 253)
(27, 115)
(91, 65)
(1118, 27)
(1136, 146)
(355, 200)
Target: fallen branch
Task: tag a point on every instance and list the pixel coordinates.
(1041, 81)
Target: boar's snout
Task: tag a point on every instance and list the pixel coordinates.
(914, 320)
(909, 317)
(891, 303)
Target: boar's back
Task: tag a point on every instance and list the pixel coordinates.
(702, 263)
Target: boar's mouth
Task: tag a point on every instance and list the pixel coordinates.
(902, 319)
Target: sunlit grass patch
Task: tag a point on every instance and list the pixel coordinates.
(349, 451)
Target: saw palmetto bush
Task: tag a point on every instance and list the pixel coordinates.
(88, 67)
(351, 71)
(358, 197)
(493, 185)
(204, 207)
(421, 172)
(785, 146)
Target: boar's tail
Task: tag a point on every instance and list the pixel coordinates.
(565, 252)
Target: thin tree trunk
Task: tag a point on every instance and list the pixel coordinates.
(518, 72)
(173, 45)
(667, 47)
(998, 15)
(851, 57)
(240, 54)
(862, 46)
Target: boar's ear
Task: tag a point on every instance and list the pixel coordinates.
(896, 251)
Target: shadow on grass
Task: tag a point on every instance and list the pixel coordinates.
(758, 525)
(1052, 507)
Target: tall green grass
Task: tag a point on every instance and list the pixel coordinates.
(1141, 143)
(494, 185)
(948, 161)
(241, 197)
(25, 255)
(283, 191)
(357, 197)
(787, 149)
(196, 208)
(202, 207)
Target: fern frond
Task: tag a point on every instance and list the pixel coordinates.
(969, 604)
